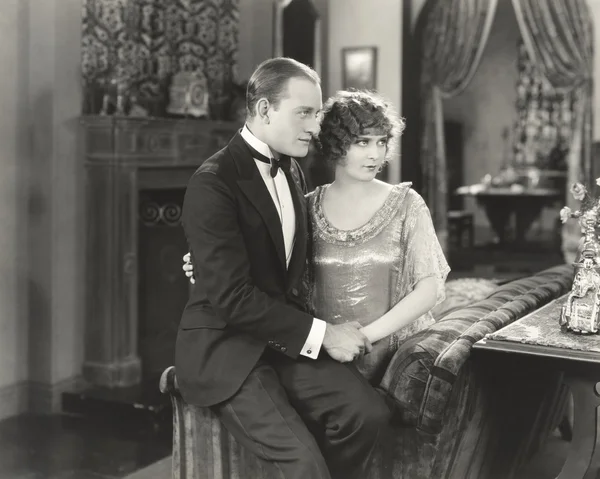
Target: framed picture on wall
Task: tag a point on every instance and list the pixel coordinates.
(359, 68)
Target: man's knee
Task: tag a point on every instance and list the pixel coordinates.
(370, 416)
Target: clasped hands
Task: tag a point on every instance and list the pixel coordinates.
(343, 342)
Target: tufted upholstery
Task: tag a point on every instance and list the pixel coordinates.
(422, 373)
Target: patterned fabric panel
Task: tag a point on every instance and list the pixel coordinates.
(421, 374)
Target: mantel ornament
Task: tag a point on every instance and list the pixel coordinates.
(189, 95)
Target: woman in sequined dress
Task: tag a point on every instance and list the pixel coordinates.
(375, 257)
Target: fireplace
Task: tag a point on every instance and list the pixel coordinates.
(136, 174)
(162, 286)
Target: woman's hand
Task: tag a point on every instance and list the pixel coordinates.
(188, 268)
(344, 342)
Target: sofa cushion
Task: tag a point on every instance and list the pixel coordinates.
(462, 292)
(423, 370)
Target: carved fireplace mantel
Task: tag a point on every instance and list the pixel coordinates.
(123, 157)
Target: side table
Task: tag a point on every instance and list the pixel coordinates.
(538, 335)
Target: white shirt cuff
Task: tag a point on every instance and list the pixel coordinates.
(313, 343)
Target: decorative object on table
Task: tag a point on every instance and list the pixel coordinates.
(188, 95)
(505, 178)
(359, 68)
(581, 311)
(588, 215)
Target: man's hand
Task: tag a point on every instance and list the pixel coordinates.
(188, 267)
(344, 342)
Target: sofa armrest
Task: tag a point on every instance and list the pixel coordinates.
(422, 373)
(168, 381)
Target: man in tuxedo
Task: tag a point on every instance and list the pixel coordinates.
(280, 380)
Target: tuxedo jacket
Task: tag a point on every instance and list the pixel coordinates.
(244, 299)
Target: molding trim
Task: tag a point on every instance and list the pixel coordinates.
(13, 399)
(33, 396)
(47, 398)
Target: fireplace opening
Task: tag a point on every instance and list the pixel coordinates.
(163, 288)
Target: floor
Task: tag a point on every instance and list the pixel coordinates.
(66, 447)
(73, 447)
(59, 447)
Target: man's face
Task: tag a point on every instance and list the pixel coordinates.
(294, 121)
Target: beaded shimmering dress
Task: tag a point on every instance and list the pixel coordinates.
(360, 274)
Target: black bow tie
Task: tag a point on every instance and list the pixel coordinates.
(284, 162)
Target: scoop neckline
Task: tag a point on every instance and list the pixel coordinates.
(371, 228)
(390, 196)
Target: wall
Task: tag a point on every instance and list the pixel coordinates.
(374, 23)
(41, 258)
(13, 135)
(55, 107)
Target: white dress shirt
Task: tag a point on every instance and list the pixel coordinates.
(279, 190)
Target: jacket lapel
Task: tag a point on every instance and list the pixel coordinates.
(298, 259)
(255, 190)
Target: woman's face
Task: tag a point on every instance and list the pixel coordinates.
(364, 158)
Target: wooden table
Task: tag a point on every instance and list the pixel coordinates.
(500, 204)
(538, 335)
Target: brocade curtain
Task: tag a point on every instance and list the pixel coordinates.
(558, 35)
(455, 36)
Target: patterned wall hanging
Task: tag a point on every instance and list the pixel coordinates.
(136, 46)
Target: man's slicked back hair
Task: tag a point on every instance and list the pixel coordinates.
(270, 79)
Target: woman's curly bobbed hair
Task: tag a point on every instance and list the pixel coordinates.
(349, 114)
